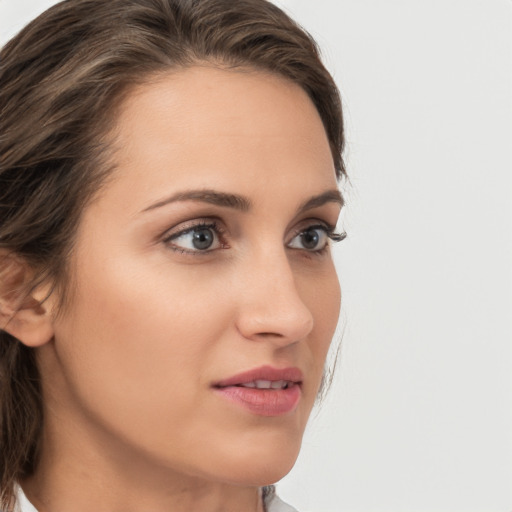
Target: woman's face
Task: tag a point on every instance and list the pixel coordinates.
(203, 258)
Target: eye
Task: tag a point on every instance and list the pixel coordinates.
(313, 238)
(198, 238)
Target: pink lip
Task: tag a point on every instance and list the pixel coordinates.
(263, 373)
(263, 402)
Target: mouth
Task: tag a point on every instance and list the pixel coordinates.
(268, 384)
(264, 391)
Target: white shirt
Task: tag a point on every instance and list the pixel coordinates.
(274, 504)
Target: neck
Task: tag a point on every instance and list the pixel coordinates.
(105, 477)
(82, 492)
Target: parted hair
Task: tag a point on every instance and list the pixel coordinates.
(61, 80)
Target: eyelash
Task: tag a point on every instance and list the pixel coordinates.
(329, 231)
(213, 225)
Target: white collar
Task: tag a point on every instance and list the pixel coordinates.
(23, 504)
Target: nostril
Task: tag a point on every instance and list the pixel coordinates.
(270, 335)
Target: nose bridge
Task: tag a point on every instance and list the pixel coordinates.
(271, 303)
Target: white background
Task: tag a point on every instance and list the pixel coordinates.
(420, 416)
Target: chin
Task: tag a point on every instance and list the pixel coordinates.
(263, 466)
(261, 474)
(271, 474)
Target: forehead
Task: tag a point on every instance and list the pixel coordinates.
(230, 127)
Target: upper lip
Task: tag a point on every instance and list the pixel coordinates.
(291, 374)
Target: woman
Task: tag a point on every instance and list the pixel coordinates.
(168, 195)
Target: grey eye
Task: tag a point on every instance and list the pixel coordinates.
(311, 239)
(200, 238)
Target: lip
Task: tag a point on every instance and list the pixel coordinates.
(263, 402)
(263, 373)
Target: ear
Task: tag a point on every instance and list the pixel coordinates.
(24, 313)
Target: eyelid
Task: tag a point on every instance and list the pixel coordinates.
(326, 227)
(196, 224)
(216, 225)
(313, 223)
(330, 229)
(186, 227)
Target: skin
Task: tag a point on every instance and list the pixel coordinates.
(131, 420)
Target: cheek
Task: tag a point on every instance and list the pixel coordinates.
(132, 303)
(330, 312)
(323, 297)
(133, 337)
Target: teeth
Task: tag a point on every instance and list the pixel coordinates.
(267, 384)
(263, 384)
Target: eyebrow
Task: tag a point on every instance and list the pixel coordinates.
(242, 203)
(234, 201)
(330, 196)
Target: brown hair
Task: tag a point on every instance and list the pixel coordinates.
(61, 79)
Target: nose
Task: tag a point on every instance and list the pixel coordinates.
(270, 305)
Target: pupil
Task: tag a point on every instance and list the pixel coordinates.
(203, 238)
(310, 239)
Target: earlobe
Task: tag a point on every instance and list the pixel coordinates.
(23, 312)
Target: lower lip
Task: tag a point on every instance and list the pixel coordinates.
(265, 402)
